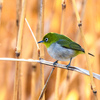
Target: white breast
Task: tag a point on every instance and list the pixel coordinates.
(60, 53)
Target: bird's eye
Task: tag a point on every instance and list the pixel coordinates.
(46, 39)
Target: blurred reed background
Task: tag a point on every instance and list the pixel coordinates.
(73, 85)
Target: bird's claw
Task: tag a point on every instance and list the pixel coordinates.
(55, 63)
(41, 59)
(68, 65)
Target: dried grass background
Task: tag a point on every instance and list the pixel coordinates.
(77, 86)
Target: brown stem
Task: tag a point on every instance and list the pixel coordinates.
(1, 1)
(17, 82)
(41, 51)
(86, 52)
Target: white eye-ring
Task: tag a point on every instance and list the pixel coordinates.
(46, 39)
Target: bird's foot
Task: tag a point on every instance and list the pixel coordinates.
(55, 63)
(41, 59)
(68, 65)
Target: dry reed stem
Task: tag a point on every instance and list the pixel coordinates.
(81, 88)
(19, 42)
(86, 52)
(44, 88)
(33, 83)
(41, 53)
(83, 9)
(1, 1)
(16, 95)
(76, 11)
(17, 82)
(18, 11)
(59, 70)
(81, 17)
(33, 80)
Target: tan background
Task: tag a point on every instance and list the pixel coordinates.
(78, 86)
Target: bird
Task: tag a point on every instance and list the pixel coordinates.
(61, 47)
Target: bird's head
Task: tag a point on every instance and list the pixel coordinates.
(49, 38)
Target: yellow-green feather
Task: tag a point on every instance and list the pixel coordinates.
(63, 41)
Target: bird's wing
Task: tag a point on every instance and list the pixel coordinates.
(70, 45)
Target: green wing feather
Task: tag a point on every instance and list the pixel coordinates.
(67, 43)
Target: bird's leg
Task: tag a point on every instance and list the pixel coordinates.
(55, 63)
(69, 63)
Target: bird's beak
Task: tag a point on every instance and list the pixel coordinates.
(40, 41)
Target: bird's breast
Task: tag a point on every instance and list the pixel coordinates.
(60, 53)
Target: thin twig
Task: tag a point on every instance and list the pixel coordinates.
(73, 68)
(44, 88)
(86, 52)
(32, 33)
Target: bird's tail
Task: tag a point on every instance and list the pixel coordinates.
(91, 54)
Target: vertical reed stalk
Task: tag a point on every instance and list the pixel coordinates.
(18, 11)
(59, 70)
(42, 2)
(33, 80)
(1, 1)
(17, 82)
(33, 84)
(35, 53)
(77, 38)
(86, 52)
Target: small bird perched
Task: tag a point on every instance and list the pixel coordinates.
(61, 47)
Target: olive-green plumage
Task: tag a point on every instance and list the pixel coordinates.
(62, 40)
(61, 47)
